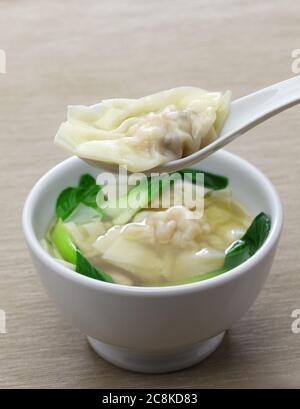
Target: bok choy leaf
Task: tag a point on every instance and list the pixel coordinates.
(84, 267)
(211, 180)
(85, 193)
(252, 240)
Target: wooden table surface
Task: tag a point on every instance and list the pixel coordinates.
(72, 51)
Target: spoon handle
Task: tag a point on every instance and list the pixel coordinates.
(251, 110)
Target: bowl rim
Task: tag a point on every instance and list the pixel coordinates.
(36, 248)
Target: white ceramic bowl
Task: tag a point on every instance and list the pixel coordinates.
(153, 329)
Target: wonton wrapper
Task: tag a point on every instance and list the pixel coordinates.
(167, 246)
(146, 132)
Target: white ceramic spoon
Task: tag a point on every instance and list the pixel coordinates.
(245, 113)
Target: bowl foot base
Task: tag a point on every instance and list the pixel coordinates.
(156, 362)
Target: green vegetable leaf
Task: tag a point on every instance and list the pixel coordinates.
(86, 181)
(67, 202)
(84, 267)
(211, 181)
(71, 197)
(89, 197)
(252, 240)
(63, 242)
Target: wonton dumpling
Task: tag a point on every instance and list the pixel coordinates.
(169, 245)
(146, 132)
(155, 246)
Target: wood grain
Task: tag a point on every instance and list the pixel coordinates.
(80, 52)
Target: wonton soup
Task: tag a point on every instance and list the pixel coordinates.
(154, 245)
